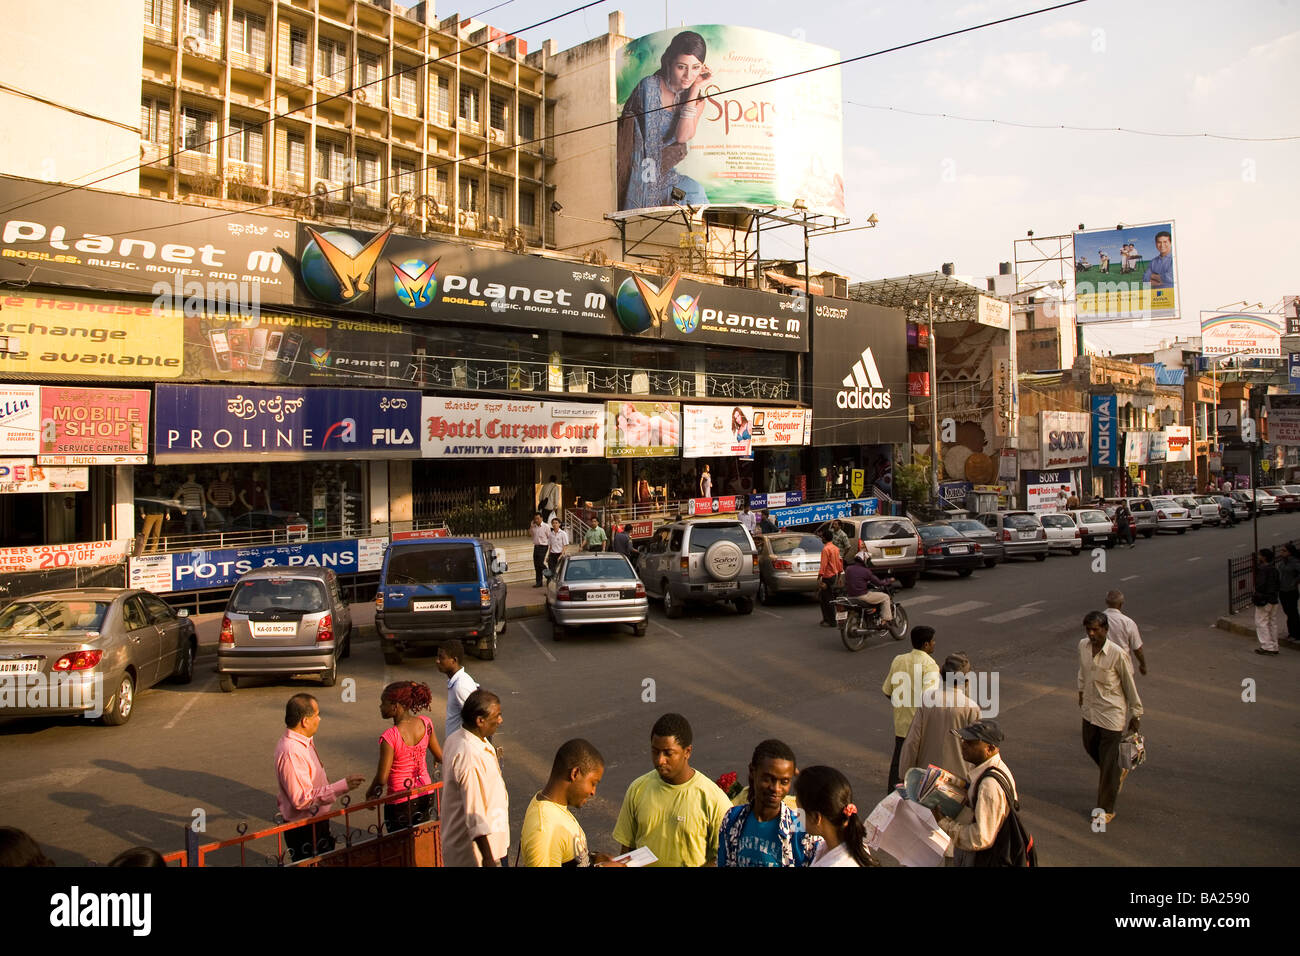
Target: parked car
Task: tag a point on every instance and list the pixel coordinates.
(704, 561)
(1193, 509)
(1110, 510)
(1021, 532)
(892, 542)
(433, 589)
(1096, 528)
(947, 549)
(595, 588)
(1144, 515)
(1063, 533)
(1171, 516)
(1232, 509)
(1256, 499)
(787, 564)
(1286, 500)
(283, 621)
(1208, 505)
(990, 544)
(105, 644)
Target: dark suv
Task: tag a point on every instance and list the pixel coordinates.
(432, 589)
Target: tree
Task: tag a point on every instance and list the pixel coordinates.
(912, 482)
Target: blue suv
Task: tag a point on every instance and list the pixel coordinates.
(432, 589)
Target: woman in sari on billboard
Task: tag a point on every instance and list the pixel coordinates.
(658, 120)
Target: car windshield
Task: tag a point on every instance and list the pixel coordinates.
(704, 536)
(598, 569)
(795, 543)
(23, 617)
(433, 564)
(1090, 516)
(969, 527)
(881, 530)
(1021, 522)
(278, 594)
(1140, 504)
(938, 531)
(1058, 521)
(1164, 502)
(1292, 489)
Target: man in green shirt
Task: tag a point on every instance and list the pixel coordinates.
(595, 538)
(909, 676)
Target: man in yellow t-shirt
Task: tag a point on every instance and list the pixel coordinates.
(673, 810)
(551, 835)
(909, 676)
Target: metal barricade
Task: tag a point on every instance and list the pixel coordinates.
(1241, 583)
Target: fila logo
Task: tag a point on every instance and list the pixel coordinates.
(863, 386)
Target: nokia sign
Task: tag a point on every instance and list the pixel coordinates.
(859, 367)
(1105, 447)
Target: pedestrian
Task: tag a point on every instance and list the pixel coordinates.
(548, 499)
(767, 525)
(991, 794)
(674, 811)
(541, 535)
(595, 538)
(930, 739)
(459, 684)
(193, 500)
(220, 496)
(824, 795)
(706, 483)
(765, 831)
(747, 519)
(622, 544)
(557, 539)
(841, 539)
(860, 580)
(1063, 498)
(403, 753)
(1288, 572)
(828, 573)
(475, 816)
(1123, 630)
(1123, 527)
(303, 789)
(17, 849)
(1268, 611)
(551, 835)
(909, 675)
(1109, 702)
(1073, 503)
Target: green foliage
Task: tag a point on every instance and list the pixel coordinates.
(489, 518)
(912, 482)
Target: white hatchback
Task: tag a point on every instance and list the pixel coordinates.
(1063, 533)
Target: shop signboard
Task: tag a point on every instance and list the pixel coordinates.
(955, 491)
(918, 384)
(1063, 439)
(199, 423)
(94, 426)
(1293, 371)
(20, 411)
(1252, 334)
(1043, 487)
(859, 374)
(506, 428)
(716, 431)
(46, 557)
(1125, 274)
(91, 338)
(1284, 419)
(822, 511)
(642, 429)
(780, 427)
(20, 476)
(1178, 441)
(753, 142)
(639, 529)
(1105, 433)
(1136, 447)
(775, 499)
(109, 241)
(728, 504)
(1008, 465)
(197, 569)
(1156, 448)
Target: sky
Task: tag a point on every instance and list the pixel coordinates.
(948, 190)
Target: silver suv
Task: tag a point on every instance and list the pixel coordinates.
(701, 561)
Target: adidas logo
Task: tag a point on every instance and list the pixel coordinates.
(863, 386)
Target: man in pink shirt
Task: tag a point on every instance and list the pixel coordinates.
(304, 790)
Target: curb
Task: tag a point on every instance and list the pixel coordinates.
(1233, 627)
(525, 610)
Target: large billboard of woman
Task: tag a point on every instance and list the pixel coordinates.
(694, 129)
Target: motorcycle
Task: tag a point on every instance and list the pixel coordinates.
(860, 621)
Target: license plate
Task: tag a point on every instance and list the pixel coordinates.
(274, 629)
(1028, 535)
(19, 667)
(603, 595)
(431, 605)
(960, 549)
(720, 585)
(841, 615)
(893, 552)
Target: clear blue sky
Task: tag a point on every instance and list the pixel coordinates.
(952, 191)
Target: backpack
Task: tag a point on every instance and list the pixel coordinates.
(1014, 845)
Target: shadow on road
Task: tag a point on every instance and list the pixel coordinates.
(215, 795)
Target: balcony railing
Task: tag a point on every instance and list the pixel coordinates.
(192, 161)
(248, 61)
(162, 32)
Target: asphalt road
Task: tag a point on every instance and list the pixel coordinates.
(1208, 794)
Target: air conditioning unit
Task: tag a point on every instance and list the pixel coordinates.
(362, 96)
(497, 136)
(469, 220)
(195, 44)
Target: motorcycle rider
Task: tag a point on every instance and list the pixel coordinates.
(859, 580)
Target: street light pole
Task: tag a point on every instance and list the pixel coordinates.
(934, 405)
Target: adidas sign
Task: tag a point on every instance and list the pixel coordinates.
(863, 387)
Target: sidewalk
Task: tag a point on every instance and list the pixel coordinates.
(1243, 624)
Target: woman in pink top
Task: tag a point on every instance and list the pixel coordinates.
(403, 750)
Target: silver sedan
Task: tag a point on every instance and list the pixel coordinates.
(595, 588)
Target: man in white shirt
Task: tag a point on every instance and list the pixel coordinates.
(975, 837)
(548, 499)
(930, 740)
(1107, 698)
(475, 807)
(459, 684)
(557, 540)
(540, 532)
(1123, 630)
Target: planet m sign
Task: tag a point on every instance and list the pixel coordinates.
(1105, 448)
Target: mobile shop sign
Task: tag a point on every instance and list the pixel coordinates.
(773, 427)
(716, 431)
(825, 511)
(200, 422)
(1255, 334)
(22, 477)
(20, 409)
(94, 426)
(1105, 447)
(43, 557)
(1284, 419)
(1124, 274)
(191, 570)
(1178, 439)
(108, 241)
(505, 428)
(642, 429)
(1063, 439)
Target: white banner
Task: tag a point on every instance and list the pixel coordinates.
(43, 557)
(22, 477)
(508, 428)
(20, 419)
(1063, 439)
(1255, 334)
(780, 426)
(1178, 438)
(716, 431)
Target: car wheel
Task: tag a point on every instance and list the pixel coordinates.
(672, 608)
(1078, 551)
(123, 703)
(557, 632)
(1147, 534)
(764, 597)
(908, 580)
(964, 573)
(989, 562)
(744, 605)
(501, 624)
(228, 683)
(1182, 531)
(392, 655)
(185, 664)
(640, 629)
(330, 677)
(1040, 557)
(489, 653)
(347, 645)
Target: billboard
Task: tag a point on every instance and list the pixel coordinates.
(94, 426)
(1257, 334)
(1125, 274)
(692, 120)
(859, 373)
(780, 427)
(1157, 448)
(716, 431)
(1284, 419)
(1105, 433)
(191, 570)
(642, 429)
(22, 477)
(20, 410)
(1063, 439)
(499, 428)
(1178, 442)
